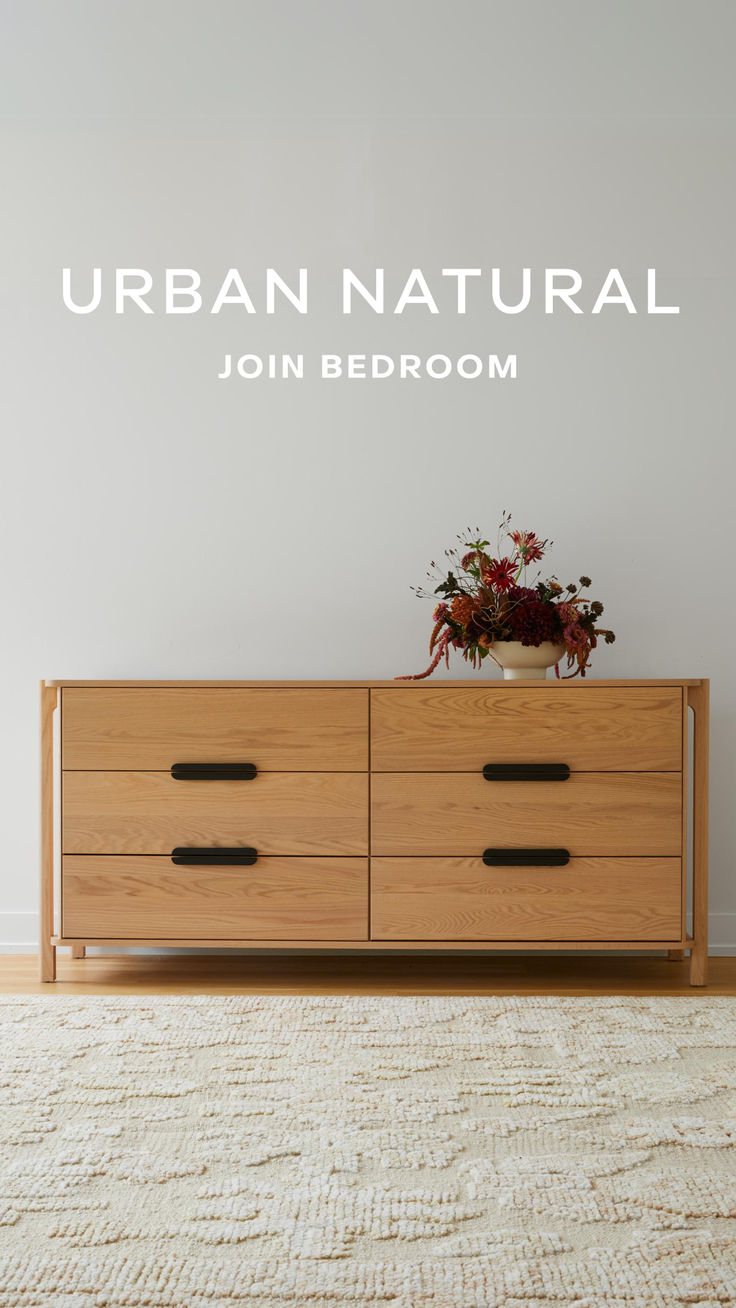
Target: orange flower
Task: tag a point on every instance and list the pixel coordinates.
(462, 609)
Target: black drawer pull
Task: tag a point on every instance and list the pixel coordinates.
(526, 857)
(526, 772)
(214, 771)
(217, 856)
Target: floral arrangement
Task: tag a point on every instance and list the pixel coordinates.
(486, 598)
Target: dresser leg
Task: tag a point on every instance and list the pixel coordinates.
(699, 699)
(79, 951)
(47, 950)
(675, 955)
(699, 965)
(48, 962)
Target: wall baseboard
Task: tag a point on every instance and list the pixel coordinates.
(19, 933)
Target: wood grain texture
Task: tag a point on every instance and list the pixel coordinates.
(379, 946)
(436, 728)
(590, 899)
(628, 738)
(593, 813)
(278, 813)
(383, 972)
(278, 730)
(699, 698)
(276, 898)
(47, 952)
(396, 683)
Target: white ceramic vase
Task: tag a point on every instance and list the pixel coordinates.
(525, 662)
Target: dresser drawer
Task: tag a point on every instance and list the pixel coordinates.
(277, 813)
(591, 729)
(288, 730)
(590, 899)
(591, 813)
(275, 899)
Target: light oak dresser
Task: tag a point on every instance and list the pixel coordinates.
(374, 815)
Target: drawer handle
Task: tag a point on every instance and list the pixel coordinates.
(526, 772)
(214, 771)
(526, 857)
(219, 856)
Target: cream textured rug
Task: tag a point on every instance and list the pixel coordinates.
(462, 1153)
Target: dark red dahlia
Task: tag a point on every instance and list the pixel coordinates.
(531, 619)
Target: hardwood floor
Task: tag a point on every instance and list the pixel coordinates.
(366, 975)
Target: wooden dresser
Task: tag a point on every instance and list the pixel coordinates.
(374, 815)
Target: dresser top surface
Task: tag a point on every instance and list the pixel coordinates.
(397, 684)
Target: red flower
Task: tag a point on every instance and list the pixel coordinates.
(530, 547)
(567, 614)
(440, 612)
(531, 619)
(501, 574)
(575, 637)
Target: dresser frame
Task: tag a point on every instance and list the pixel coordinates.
(695, 696)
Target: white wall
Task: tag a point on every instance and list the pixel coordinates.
(156, 522)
